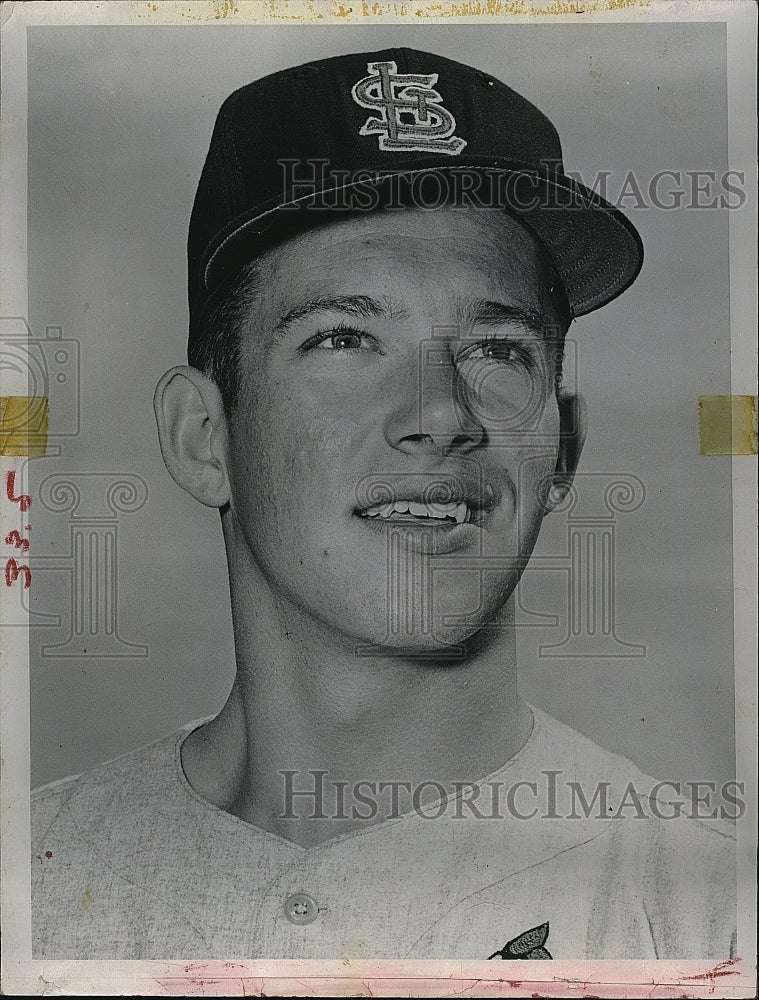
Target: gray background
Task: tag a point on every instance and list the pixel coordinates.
(119, 123)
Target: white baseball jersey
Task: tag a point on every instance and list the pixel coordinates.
(130, 863)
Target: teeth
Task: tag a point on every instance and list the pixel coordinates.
(443, 509)
(437, 511)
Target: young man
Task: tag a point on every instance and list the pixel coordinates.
(384, 257)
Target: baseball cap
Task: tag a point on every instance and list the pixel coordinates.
(341, 134)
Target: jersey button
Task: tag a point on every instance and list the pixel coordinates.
(300, 908)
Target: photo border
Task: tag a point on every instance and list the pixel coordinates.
(734, 978)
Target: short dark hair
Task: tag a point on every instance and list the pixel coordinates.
(216, 346)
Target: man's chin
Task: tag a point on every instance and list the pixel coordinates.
(443, 644)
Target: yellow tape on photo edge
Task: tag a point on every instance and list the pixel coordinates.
(23, 425)
(727, 425)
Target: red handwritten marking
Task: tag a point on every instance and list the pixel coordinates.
(718, 970)
(13, 571)
(14, 538)
(24, 500)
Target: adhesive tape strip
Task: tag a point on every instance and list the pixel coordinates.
(23, 425)
(727, 425)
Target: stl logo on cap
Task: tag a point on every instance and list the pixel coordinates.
(411, 95)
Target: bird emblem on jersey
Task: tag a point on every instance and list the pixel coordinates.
(529, 945)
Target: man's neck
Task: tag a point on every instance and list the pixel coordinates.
(363, 738)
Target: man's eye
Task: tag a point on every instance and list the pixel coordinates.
(498, 350)
(337, 339)
(345, 340)
(495, 349)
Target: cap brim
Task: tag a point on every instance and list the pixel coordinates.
(597, 251)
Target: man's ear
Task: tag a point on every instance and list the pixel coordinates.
(573, 427)
(192, 432)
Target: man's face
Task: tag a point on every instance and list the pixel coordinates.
(397, 423)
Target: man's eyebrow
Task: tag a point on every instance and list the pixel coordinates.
(490, 313)
(360, 306)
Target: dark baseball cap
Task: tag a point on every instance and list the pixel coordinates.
(386, 129)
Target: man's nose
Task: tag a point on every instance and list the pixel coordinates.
(432, 415)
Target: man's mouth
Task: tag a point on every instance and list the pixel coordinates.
(452, 502)
(414, 512)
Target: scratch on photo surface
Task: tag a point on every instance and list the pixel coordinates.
(490, 885)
